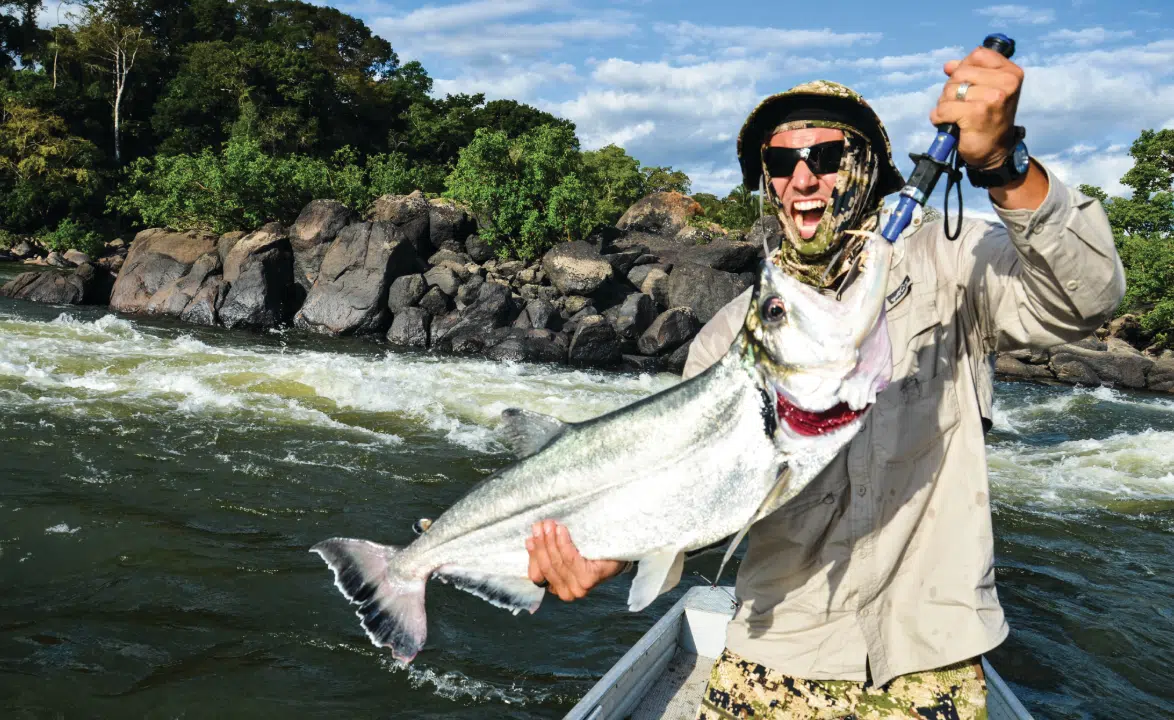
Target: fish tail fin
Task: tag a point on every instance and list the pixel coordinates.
(391, 603)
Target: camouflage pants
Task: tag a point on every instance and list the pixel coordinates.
(742, 689)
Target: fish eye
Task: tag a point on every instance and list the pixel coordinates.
(773, 310)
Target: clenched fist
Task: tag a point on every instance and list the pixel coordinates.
(986, 117)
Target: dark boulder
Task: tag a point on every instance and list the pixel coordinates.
(594, 343)
(55, 259)
(640, 273)
(576, 268)
(1010, 366)
(24, 250)
(1118, 364)
(671, 329)
(436, 302)
(204, 308)
(640, 363)
(449, 224)
(411, 214)
(663, 213)
(725, 255)
(537, 315)
(704, 289)
(410, 328)
(76, 257)
(157, 257)
(478, 249)
(572, 324)
(765, 232)
(675, 361)
(226, 242)
(602, 238)
(632, 318)
(174, 297)
(350, 295)
(494, 308)
(1161, 376)
(406, 291)
(317, 226)
(467, 294)
(539, 292)
(622, 262)
(83, 286)
(260, 275)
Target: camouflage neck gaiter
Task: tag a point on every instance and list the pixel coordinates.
(823, 260)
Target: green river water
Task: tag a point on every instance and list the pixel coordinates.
(160, 486)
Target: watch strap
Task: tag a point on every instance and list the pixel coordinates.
(1002, 174)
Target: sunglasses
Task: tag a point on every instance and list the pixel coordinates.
(822, 158)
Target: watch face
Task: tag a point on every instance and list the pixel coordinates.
(1021, 158)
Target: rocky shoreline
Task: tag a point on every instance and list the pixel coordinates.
(414, 273)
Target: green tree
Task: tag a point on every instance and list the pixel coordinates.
(528, 191)
(45, 172)
(615, 180)
(665, 179)
(1143, 229)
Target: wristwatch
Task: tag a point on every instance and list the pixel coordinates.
(1014, 166)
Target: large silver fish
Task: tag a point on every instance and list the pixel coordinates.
(677, 471)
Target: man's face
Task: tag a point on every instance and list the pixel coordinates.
(804, 195)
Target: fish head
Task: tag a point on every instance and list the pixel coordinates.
(824, 358)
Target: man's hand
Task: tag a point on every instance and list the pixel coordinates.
(555, 560)
(986, 117)
(986, 122)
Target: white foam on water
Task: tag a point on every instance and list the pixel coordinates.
(1093, 472)
(77, 367)
(455, 685)
(61, 529)
(1016, 418)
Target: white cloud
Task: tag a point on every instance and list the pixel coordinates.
(749, 38)
(431, 19)
(916, 61)
(1102, 167)
(515, 83)
(1086, 37)
(505, 42)
(1020, 14)
(696, 77)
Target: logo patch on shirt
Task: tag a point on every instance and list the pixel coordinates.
(894, 299)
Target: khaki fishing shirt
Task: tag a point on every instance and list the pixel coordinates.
(885, 562)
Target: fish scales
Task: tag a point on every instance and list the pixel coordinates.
(677, 471)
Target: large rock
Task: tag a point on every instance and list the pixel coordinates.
(406, 291)
(227, 242)
(449, 224)
(1161, 377)
(260, 274)
(576, 268)
(1118, 364)
(671, 329)
(443, 278)
(595, 343)
(83, 286)
(653, 281)
(632, 317)
(174, 297)
(317, 226)
(410, 328)
(76, 257)
(478, 249)
(157, 257)
(704, 289)
(204, 308)
(436, 302)
(350, 295)
(1011, 366)
(765, 232)
(675, 362)
(494, 308)
(660, 213)
(537, 315)
(726, 255)
(23, 250)
(411, 214)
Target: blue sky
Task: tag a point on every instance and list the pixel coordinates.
(672, 81)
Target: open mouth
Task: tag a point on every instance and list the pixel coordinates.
(810, 424)
(807, 214)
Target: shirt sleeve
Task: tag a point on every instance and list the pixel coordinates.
(715, 338)
(1049, 276)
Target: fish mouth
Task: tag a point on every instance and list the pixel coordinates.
(812, 424)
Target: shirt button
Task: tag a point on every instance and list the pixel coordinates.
(1073, 285)
(829, 499)
(861, 491)
(1037, 229)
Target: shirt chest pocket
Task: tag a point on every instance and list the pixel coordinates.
(920, 406)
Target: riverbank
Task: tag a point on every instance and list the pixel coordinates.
(163, 482)
(414, 274)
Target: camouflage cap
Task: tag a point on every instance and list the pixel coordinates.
(817, 94)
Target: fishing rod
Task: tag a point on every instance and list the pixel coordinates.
(942, 157)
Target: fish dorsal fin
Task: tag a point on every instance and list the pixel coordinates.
(766, 507)
(528, 432)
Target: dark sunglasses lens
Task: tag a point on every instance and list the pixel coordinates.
(821, 159)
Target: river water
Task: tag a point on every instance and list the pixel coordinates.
(160, 486)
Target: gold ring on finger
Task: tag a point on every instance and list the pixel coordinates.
(960, 93)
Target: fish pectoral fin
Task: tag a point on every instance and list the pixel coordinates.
(505, 591)
(768, 505)
(656, 573)
(528, 432)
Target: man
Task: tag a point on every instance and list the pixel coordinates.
(872, 593)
